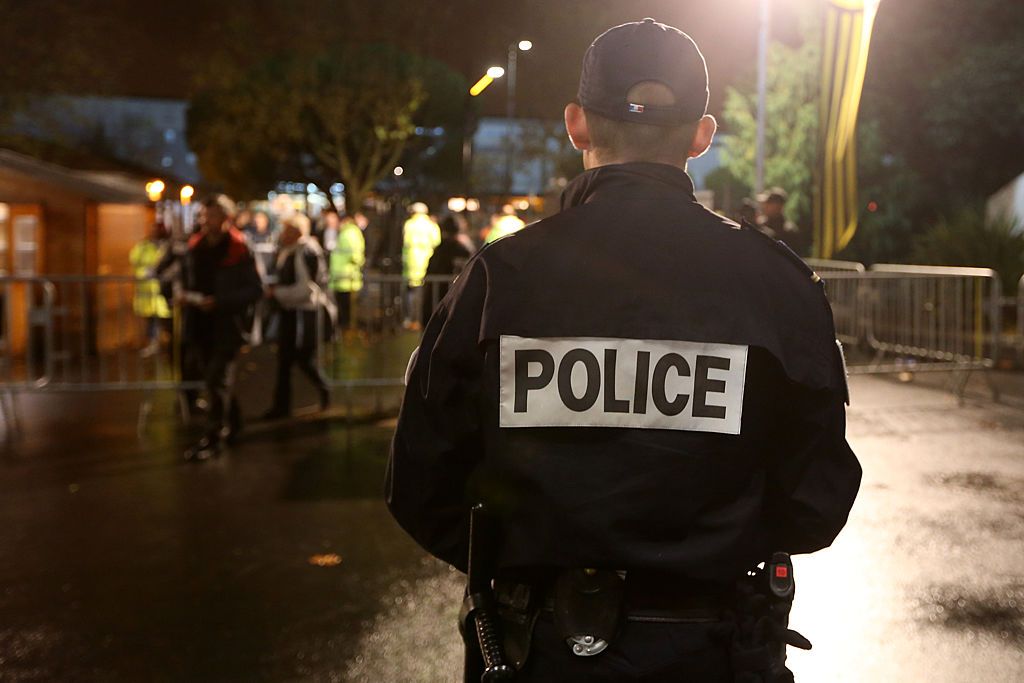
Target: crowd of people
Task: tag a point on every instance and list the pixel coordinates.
(241, 277)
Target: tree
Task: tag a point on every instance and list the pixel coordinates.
(791, 127)
(941, 126)
(345, 114)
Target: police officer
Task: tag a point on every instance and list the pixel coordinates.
(149, 303)
(648, 396)
(506, 224)
(420, 236)
(348, 257)
(774, 223)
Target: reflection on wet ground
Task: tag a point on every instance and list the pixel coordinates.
(279, 562)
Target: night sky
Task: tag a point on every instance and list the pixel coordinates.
(156, 49)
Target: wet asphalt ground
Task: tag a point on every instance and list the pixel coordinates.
(279, 562)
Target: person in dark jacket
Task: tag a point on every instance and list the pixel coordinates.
(301, 267)
(448, 259)
(774, 223)
(221, 285)
(638, 389)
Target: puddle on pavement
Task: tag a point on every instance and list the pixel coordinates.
(1009, 488)
(998, 612)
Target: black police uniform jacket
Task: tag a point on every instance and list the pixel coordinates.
(632, 262)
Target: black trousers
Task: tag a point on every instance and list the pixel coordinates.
(218, 365)
(296, 346)
(343, 300)
(641, 653)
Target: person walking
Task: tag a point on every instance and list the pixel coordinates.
(221, 285)
(347, 260)
(420, 235)
(448, 260)
(149, 303)
(648, 398)
(505, 224)
(773, 222)
(301, 272)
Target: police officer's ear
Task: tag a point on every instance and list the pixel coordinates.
(576, 127)
(703, 136)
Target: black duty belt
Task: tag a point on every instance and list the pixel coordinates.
(655, 598)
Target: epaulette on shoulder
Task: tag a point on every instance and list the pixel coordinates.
(784, 249)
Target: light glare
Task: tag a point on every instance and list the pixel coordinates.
(525, 45)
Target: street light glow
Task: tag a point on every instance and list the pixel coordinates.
(187, 192)
(399, 170)
(486, 80)
(155, 189)
(525, 45)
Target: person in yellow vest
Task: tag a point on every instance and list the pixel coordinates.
(347, 260)
(506, 224)
(420, 235)
(148, 303)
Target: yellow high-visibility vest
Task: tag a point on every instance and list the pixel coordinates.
(506, 225)
(348, 258)
(148, 302)
(419, 237)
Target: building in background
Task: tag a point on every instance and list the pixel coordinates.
(542, 159)
(148, 134)
(56, 220)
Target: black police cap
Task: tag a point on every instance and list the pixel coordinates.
(639, 51)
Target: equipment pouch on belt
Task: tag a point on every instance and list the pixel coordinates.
(763, 602)
(588, 606)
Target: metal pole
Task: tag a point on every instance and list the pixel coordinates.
(510, 113)
(764, 25)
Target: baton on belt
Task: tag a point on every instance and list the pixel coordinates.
(478, 621)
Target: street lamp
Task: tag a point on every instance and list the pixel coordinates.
(187, 192)
(510, 108)
(485, 80)
(155, 190)
(764, 27)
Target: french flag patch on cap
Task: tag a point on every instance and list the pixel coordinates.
(636, 108)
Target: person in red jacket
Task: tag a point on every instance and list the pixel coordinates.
(221, 284)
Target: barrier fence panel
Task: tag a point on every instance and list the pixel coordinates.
(84, 333)
(829, 266)
(921, 318)
(1019, 337)
(26, 332)
(102, 332)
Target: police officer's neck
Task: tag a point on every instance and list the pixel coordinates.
(592, 160)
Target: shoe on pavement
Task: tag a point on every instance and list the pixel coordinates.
(275, 414)
(150, 349)
(204, 449)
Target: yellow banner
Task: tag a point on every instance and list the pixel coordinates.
(844, 60)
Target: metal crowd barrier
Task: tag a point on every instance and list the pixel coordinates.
(81, 333)
(78, 333)
(1019, 336)
(844, 296)
(918, 319)
(830, 266)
